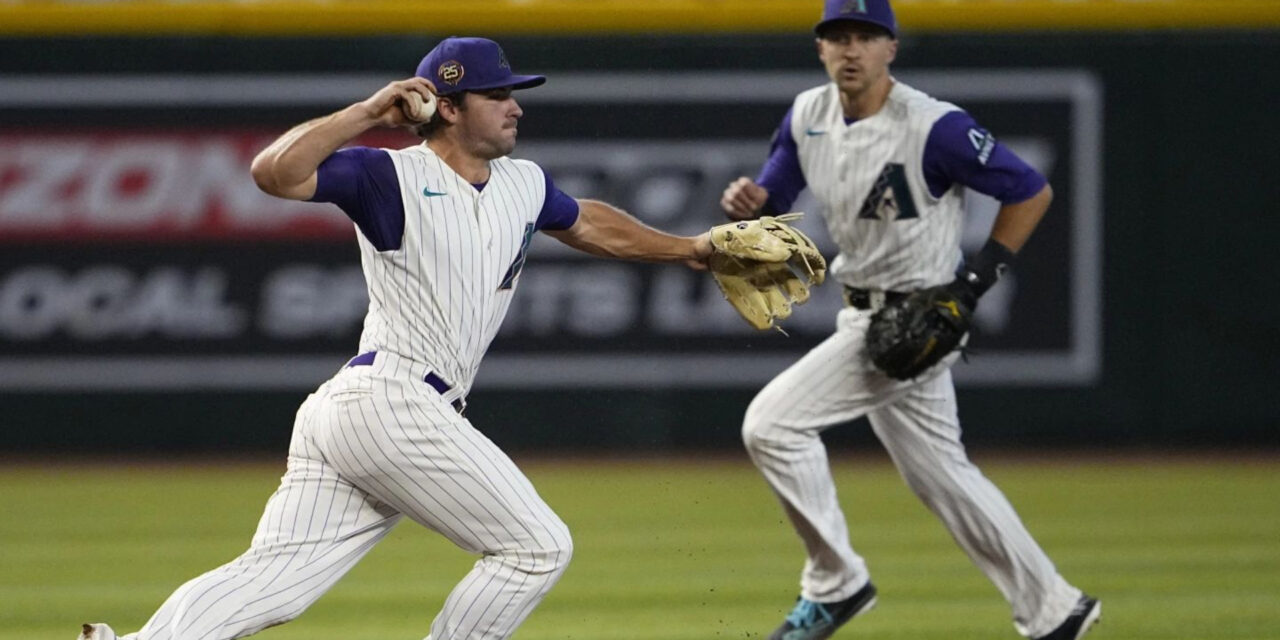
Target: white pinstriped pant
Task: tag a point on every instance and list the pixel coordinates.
(918, 425)
(367, 450)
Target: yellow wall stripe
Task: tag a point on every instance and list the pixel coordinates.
(296, 17)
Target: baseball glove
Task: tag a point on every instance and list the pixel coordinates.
(909, 335)
(764, 266)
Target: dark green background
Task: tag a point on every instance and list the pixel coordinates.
(1191, 311)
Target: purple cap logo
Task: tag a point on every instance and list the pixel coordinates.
(471, 64)
(876, 12)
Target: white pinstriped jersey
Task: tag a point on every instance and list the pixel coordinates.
(439, 299)
(869, 177)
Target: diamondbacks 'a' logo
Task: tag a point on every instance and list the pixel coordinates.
(890, 195)
(854, 6)
(451, 72)
(517, 265)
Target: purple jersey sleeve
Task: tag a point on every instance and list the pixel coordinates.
(960, 151)
(559, 211)
(363, 183)
(781, 175)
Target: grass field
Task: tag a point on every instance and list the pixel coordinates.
(674, 549)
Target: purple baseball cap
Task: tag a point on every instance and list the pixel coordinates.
(877, 12)
(471, 64)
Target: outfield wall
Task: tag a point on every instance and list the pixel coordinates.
(149, 299)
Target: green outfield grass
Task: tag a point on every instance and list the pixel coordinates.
(674, 549)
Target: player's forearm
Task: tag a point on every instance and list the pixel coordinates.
(1013, 226)
(1016, 221)
(606, 231)
(287, 166)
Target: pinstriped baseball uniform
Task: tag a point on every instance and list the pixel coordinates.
(383, 439)
(847, 166)
(890, 185)
(418, 303)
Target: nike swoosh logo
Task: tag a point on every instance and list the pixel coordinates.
(429, 193)
(811, 132)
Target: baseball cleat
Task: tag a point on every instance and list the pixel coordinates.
(1086, 612)
(811, 620)
(98, 631)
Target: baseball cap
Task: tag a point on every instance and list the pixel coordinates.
(471, 64)
(877, 12)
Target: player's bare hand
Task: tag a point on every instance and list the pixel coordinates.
(401, 103)
(743, 199)
(702, 251)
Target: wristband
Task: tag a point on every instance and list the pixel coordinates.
(984, 268)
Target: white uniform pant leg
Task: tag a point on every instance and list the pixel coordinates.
(921, 432)
(831, 384)
(403, 443)
(315, 528)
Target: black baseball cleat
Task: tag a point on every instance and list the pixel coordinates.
(1086, 612)
(811, 620)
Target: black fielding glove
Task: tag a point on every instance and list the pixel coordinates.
(909, 336)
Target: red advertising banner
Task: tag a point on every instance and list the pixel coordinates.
(104, 184)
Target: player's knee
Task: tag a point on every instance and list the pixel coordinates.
(944, 480)
(549, 552)
(759, 428)
(541, 561)
(559, 552)
(563, 553)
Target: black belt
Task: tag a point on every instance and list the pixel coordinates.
(869, 300)
(436, 382)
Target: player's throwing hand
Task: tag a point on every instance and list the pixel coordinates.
(743, 199)
(395, 104)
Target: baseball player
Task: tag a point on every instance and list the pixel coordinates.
(887, 162)
(443, 229)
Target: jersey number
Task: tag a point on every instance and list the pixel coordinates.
(891, 195)
(513, 271)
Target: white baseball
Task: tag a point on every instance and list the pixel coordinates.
(418, 109)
